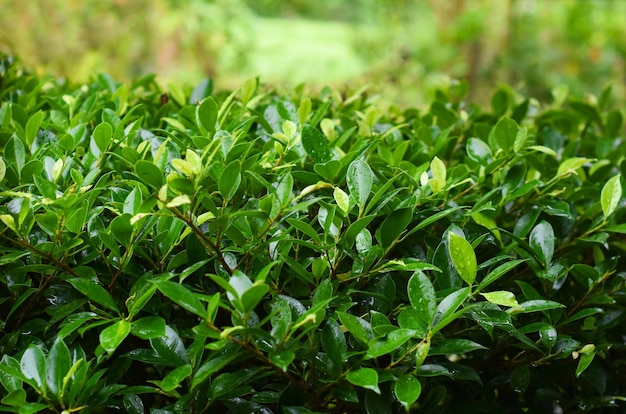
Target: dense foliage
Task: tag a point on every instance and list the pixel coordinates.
(274, 252)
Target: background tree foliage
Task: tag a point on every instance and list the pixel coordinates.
(405, 49)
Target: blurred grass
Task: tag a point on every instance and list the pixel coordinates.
(404, 49)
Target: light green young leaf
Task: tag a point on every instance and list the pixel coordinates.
(112, 336)
(463, 257)
(611, 195)
(501, 297)
(570, 165)
(342, 199)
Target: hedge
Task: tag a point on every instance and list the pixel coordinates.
(282, 251)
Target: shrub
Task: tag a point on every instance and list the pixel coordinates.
(268, 251)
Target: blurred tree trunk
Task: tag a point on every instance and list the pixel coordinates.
(469, 43)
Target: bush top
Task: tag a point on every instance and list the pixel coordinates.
(270, 251)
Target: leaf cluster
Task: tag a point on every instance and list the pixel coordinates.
(268, 251)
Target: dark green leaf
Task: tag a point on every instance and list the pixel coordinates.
(173, 379)
(149, 327)
(422, 296)
(316, 145)
(149, 173)
(407, 390)
(390, 343)
(541, 240)
(170, 348)
(455, 346)
(393, 226)
(230, 180)
(58, 364)
(182, 296)
(444, 314)
(364, 377)
(94, 292)
(334, 342)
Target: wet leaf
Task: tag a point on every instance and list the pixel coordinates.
(611, 195)
(463, 257)
(364, 377)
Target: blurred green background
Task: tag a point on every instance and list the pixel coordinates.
(403, 49)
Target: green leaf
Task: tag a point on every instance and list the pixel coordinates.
(520, 378)
(611, 195)
(501, 297)
(149, 173)
(463, 257)
(390, 343)
(122, 229)
(334, 342)
(230, 180)
(282, 358)
(170, 348)
(356, 326)
(359, 178)
(342, 199)
(94, 292)
(498, 272)
(33, 366)
(15, 398)
(149, 327)
(570, 165)
(505, 133)
(32, 127)
(305, 228)
(173, 379)
(422, 296)
(444, 314)
(584, 362)
(407, 390)
(541, 240)
(455, 346)
(537, 305)
(3, 169)
(364, 377)
(393, 226)
(58, 364)
(478, 150)
(102, 135)
(112, 336)
(328, 170)
(253, 296)
(206, 115)
(182, 296)
(316, 145)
